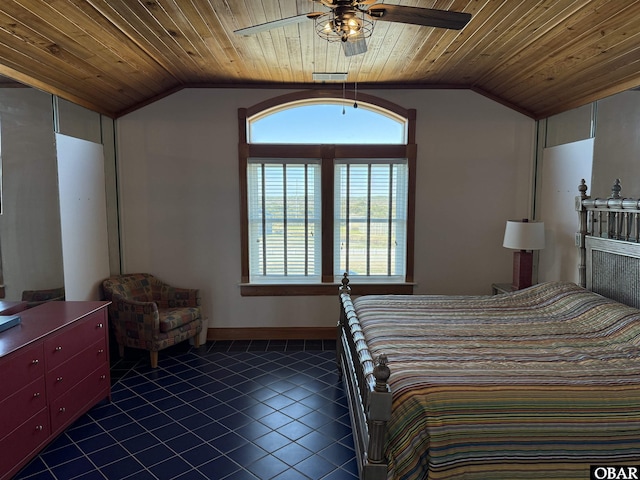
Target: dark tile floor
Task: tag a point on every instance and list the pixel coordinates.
(227, 410)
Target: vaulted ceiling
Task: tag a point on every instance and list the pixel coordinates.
(540, 57)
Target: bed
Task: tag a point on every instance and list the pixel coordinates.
(538, 383)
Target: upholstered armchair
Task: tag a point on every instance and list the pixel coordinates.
(149, 314)
(37, 297)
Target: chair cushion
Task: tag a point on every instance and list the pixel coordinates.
(171, 318)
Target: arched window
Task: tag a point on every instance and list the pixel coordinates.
(327, 121)
(327, 188)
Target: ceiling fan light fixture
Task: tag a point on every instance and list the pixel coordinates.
(328, 27)
(342, 26)
(350, 24)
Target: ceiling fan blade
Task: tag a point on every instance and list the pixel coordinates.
(354, 46)
(427, 17)
(274, 24)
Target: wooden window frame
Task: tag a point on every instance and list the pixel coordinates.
(327, 154)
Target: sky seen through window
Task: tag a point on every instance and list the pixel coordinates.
(327, 124)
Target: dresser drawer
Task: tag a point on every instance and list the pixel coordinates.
(20, 368)
(64, 377)
(25, 403)
(72, 340)
(23, 442)
(79, 398)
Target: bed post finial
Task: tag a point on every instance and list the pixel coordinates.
(345, 283)
(381, 373)
(616, 188)
(582, 188)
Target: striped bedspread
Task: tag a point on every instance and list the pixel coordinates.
(539, 383)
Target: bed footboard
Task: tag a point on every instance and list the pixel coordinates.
(368, 393)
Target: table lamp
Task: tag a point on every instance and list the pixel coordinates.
(523, 236)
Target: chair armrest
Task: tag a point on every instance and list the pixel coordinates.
(125, 311)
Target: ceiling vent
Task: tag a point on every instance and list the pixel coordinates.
(329, 76)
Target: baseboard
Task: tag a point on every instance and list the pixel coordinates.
(272, 333)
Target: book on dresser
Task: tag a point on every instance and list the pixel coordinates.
(8, 321)
(54, 366)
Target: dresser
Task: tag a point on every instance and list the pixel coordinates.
(54, 366)
(9, 308)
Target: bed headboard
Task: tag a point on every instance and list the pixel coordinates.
(608, 240)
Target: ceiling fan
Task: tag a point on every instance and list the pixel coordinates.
(351, 21)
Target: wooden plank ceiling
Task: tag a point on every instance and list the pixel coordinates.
(540, 57)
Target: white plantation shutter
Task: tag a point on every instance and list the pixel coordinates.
(284, 215)
(370, 224)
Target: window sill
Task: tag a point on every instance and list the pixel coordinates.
(290, 289)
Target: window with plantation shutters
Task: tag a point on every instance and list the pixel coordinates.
(284, 220)
(321, 196)
(370, 225)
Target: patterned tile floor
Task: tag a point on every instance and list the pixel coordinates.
(227, 410)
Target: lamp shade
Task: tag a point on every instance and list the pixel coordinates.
(523, 235)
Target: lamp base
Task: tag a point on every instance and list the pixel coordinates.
(522, 269)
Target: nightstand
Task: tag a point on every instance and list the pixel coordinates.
(502, 288)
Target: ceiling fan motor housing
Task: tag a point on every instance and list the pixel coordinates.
(345, 22)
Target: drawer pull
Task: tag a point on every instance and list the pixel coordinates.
(101, 350)
(100, 325)
(62, 410)
(36, 395)
(35, 361)
(58, 348)
(102, 377)
(59, 379)
(39, 428)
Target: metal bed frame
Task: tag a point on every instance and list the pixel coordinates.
(608, 240)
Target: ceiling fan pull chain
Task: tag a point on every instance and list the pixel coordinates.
(355, 94)
(344, 98)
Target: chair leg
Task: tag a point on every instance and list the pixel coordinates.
(196, 341)
(154, 359)
(121, 350)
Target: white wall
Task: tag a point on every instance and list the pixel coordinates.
(617, 145)
(611, 153)
(83, 217)
(179, 197)
(563, 167)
